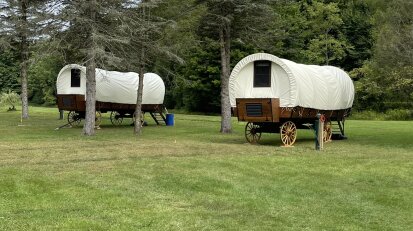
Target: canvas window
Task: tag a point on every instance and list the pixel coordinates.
(262, 74)
(75, 78)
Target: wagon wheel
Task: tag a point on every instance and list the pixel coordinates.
(116, 118)
(288, 132)
(98, 118)
(327, 131)
(73, 118)
(252, 133)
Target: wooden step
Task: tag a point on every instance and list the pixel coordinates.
(337, 128)
(159, 118)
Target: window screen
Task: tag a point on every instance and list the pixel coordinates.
(262, 74)
(75, 78)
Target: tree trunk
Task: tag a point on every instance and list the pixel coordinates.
(89, 126)
(24, 55)
(90, 116)
(138, 109)
(224, 38)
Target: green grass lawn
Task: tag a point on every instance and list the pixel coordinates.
(190, 177)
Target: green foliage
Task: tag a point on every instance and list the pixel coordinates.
(313, 32)
(325, 49)
(42, 82)
(198, 84)
(10, 99)
(391, 114)
(387, 79)
(357, 28)
(320, 32)
(324, 20)
(9, 70)
(199, 80)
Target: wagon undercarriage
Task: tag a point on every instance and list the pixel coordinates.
(75, 104)
(265, 116)
(288, 131)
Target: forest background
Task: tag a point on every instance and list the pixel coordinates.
(370, 39)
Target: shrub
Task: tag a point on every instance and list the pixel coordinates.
(399, 114)
(11, 99)
(392, 114)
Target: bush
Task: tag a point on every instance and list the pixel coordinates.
(399, 114)
(392, 114)
(11, 99)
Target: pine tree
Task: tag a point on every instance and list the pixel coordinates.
(226, 20)
(22, 22)
(144, 31)
(95, 30)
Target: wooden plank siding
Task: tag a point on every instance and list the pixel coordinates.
(258, 110)
(77, 103)
(269, 110)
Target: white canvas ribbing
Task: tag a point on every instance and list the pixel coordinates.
(310, 86)
(250, 60)
(113, 86)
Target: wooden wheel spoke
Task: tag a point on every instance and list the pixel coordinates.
(252, 133)
(284, 139)
(288, 132)
(116, 118)
(288, 140)
(253, 136)
(73, 118)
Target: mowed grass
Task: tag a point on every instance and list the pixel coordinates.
(190, 177)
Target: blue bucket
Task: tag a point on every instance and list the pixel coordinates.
(169, 119)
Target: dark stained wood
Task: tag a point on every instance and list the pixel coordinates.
(71, 102)
(266, 115)
(77, 103)
(234, 111)
(275, 108)
(272, 112)
(258, 110)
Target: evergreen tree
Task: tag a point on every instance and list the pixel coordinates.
(227, 20)
(328, 44)
(9, 70)
(93, 29)
(21, 23)
(357, 29)
(144, 31)
(387, 79)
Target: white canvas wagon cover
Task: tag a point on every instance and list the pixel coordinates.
(113, 86)
(309, 86)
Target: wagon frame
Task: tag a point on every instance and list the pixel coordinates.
(75, 104)
(264, 115)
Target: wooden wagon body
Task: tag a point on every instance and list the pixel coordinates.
(279, 96)
(76, 107)
(116, 93)
(264, 115)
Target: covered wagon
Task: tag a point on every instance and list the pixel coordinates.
(115, 92)
(276, 95)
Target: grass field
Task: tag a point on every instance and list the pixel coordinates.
(190, 177)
